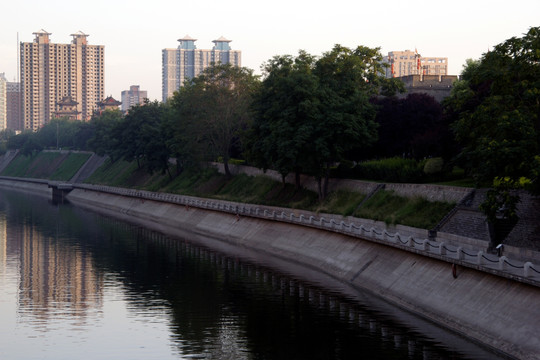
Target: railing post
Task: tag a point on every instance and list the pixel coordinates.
(502, 260)
(479, 260)
(527, 269)
(459, 253)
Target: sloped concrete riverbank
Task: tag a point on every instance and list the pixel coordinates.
(497, 311)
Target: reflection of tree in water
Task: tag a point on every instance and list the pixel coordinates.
(222, 306)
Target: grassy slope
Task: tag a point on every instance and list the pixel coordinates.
(392, 209)
(69, 167)
(46, 165)
(385, 206)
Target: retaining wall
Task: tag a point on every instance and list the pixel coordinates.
(451, 194)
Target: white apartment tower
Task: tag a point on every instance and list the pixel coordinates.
(187, 62)
(51, 72)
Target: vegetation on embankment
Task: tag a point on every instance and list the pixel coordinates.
(208, 183)
(47, 165)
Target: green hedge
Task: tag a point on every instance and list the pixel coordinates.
(390, 170)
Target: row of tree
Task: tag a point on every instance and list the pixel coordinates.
(308, 113)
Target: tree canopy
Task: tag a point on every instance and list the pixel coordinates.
(287, 106)
(312, 110)
(496, 108)
(214, 108)
(411, 127)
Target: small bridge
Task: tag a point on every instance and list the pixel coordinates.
(59, 190)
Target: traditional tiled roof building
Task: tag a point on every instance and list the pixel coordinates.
(109, 103)
(67, 108)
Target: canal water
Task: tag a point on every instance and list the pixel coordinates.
(77, 285)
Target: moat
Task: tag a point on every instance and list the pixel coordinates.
(79, 285)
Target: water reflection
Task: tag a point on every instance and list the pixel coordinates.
(56, 279)
(92, 286)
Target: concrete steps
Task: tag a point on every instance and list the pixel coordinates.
(467, 219)
(91, 165)
(526, 233)
(6, 159)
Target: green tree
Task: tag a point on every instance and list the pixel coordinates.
(288, 106)
(102, 142)
(347, 80)
(496, 108)
(6, 134)
(139, 137)
(182, 141)
(214, 109)
(153, 136)
(412, 126)
(312, 111)
(4, 137)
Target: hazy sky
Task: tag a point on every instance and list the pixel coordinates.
(134, 32)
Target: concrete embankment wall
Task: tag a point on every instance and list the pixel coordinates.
(33, 186)
(498, 312)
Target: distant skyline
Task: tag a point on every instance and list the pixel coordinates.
(135, 32)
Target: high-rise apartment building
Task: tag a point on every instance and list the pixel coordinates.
(10, 104)
(404, 63)
(3, 102)
(14, 106)
(187, 62)
(132, 97)
(51, 72)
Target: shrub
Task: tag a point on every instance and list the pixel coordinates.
(434, 166)
(394, 169)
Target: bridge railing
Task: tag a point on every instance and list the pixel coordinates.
(526, 272)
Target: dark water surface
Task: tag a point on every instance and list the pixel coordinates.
(76, 285)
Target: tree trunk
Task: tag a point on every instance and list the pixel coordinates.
(297, 179)
(325, 185)
(319, 187)
(179, 167)
(226, 167)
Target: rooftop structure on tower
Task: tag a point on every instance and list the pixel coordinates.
(187, 62)
(51, 72)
